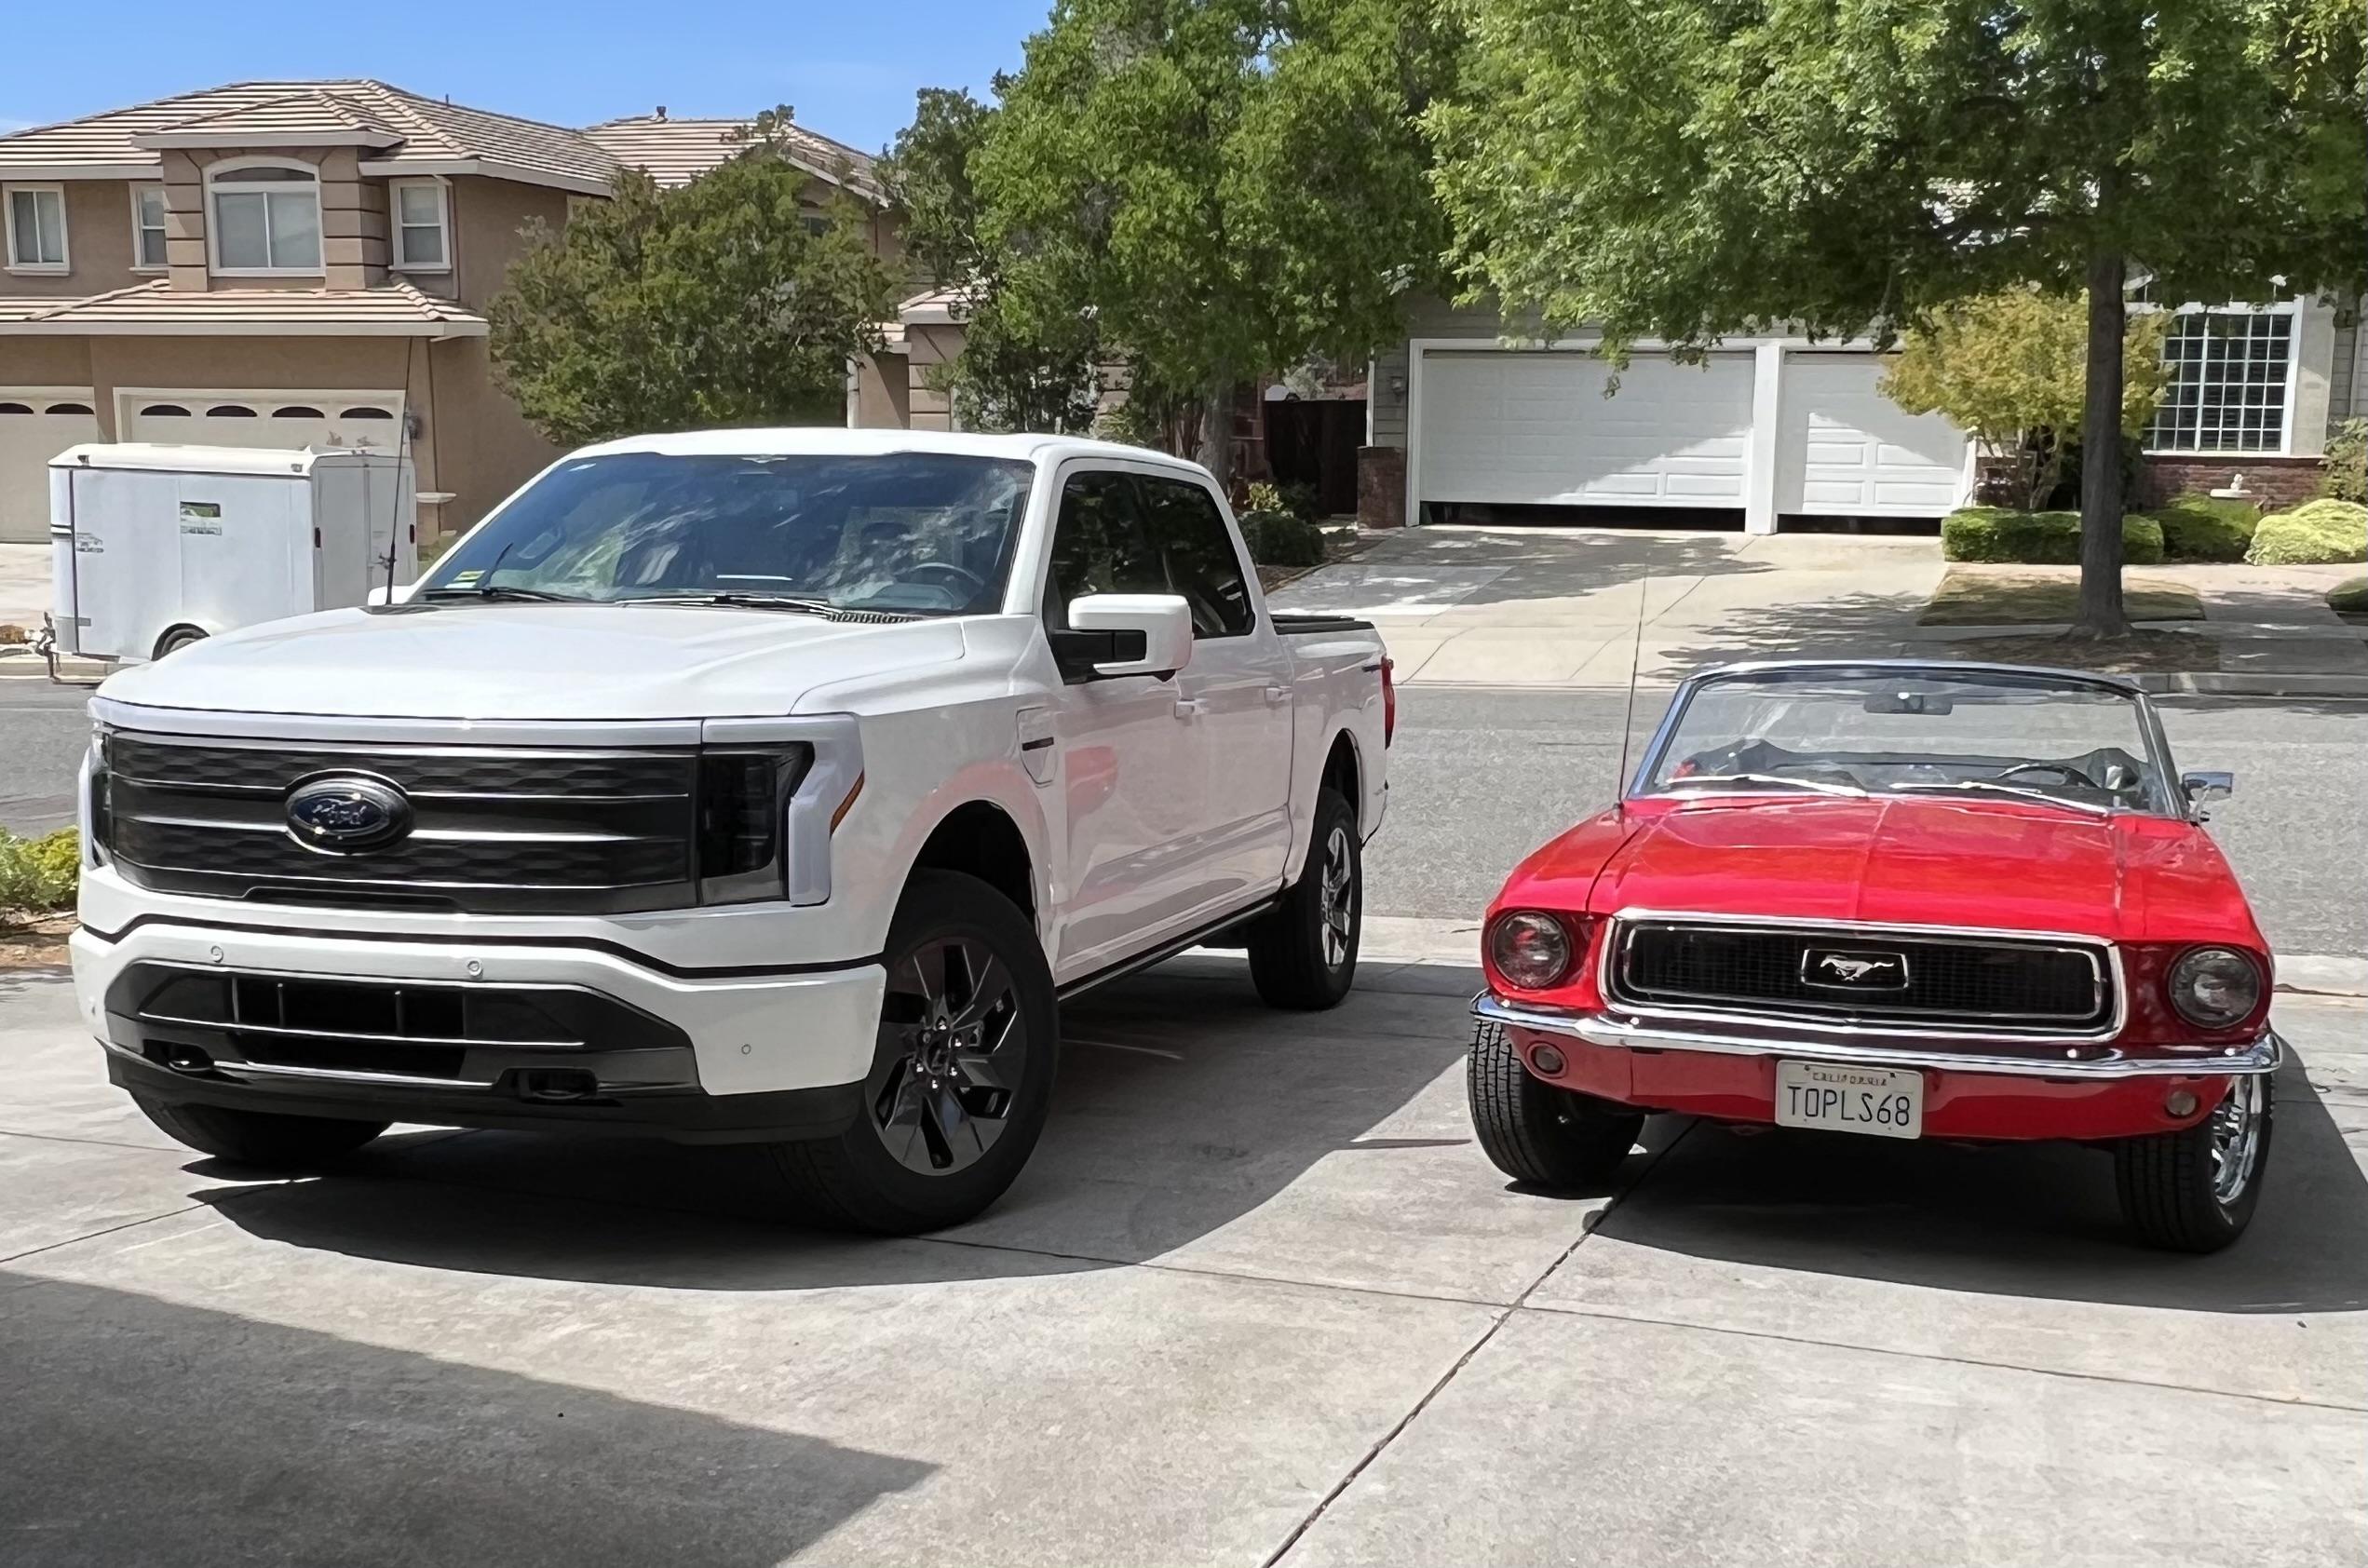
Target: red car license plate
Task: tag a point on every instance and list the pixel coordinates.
(1878, 1101)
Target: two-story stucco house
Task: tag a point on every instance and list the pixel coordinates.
(278, 263)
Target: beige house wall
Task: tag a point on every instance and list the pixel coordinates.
(98, 245)
(49, 362)
(928, 349)
(883, 392)
(489, 218)
(485, 448)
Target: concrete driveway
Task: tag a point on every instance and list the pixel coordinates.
(1577, 606)
(1258, 1299)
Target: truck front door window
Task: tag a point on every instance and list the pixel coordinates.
(1188, 535)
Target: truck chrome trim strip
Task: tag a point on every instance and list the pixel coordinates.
(2108, 952)
(2265, 1054)
(278, 730)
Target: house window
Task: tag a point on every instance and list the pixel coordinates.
(265, 219)
(2224, 389)
(420, 227)
(148, 226)
(36, 223)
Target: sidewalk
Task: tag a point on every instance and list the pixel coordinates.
(1559, 607)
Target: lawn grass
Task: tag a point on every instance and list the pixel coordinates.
(1993, 597)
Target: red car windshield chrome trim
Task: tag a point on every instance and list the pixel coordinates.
(2106, 953)
(2264, 1054)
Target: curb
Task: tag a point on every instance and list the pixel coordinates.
(2223, 682)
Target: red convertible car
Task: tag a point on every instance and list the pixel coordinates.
(1897, 899)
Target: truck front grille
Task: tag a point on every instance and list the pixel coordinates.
(1863, 975)
(493, 829)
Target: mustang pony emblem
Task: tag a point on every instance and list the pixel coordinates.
(1840, 969)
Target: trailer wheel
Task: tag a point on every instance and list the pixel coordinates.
(179, 637)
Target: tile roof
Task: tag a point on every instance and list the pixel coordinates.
(426, 134)
(152, 308)
(676, 151)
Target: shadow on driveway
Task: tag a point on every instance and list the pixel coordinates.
(1184, 1105)
(142, 1431)
(2034, 1220)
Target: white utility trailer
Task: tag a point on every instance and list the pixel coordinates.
(153, 546)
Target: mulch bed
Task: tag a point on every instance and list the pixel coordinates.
(34, 944)
(2140, 653)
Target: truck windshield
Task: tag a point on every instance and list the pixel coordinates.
(1888, 732)
(911, 532)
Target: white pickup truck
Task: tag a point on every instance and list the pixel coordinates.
(768, 786)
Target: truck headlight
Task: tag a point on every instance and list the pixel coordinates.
(743, 799)
(1531, 950)
(2213, 987)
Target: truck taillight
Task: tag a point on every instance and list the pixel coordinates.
(1388, 701)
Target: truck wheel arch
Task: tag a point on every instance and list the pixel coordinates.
(979, 838)
(178, 635)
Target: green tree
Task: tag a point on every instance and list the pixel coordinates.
(708, 304)
(1684, 169)
(1042, 376)
(1229, 186)
(2012, 368)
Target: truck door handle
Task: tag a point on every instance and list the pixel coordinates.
(1190, 708)
(1278, 696)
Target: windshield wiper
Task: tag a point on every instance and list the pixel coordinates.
(506, 591)
(1812, 786)
(737, 600)
(1986, 786)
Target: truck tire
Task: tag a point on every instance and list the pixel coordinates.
(1302, 953)
(1536, 1133)
(2195, 1190)
(962, 1078)
(263, 1139)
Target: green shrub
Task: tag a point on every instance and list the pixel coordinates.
(1262, 497)
(1279, 539)
(2350, 597)
(1993, 533)
(2206, 528)
(1299, 498)
(2315, 534)
(2346, 475)
(39, 875)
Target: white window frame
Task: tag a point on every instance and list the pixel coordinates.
(442, 187)
(139, 226)
(224, 176)
(2290, 309)
(8, 219)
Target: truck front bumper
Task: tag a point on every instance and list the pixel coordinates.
(2090, 1091)
(477, 1033)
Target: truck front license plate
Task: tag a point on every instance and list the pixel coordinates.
(1880, 1101)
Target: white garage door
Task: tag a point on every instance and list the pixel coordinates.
(1845, 450)
(1510, 428)
(271, 419)
(35, 425)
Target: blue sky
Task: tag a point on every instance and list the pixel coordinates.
(850, 70)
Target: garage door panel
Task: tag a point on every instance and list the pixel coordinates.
(265, 419)
(1514, 427)
(35, 425)
(1845, 450)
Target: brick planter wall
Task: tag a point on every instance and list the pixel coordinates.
(2279, 482)
(1381, 487)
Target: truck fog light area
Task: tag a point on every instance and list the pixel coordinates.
(2215, 987)
(1547, 1059)
(1530, 950)
(2179, 1102)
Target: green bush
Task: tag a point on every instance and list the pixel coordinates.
(2315, 534)
(39, 875)
(1993, 533)
(2346, 475)
(2350, 597)
(1262, 497)
(2206, 528)
(1279, 539)
(1299, 498)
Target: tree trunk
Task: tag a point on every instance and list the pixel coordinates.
(1216, 434)
(2101, 613)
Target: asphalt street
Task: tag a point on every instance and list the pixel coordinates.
(43, 730)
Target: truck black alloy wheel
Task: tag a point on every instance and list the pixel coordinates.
(2195, 1190)
(1538, 1133)
(263, 1139)
(962, 1076)
(1302, 953)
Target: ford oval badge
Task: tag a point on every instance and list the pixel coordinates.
(348, 813)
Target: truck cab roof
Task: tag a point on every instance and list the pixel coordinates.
(812, 440)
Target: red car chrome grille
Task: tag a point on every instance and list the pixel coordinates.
(1912, 979)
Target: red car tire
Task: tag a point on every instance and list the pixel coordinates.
(2178, 1190)
(1538, 1133)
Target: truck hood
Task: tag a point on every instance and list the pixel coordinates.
(533, 661)
(1934, 862)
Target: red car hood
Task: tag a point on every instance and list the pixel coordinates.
(1939, 862)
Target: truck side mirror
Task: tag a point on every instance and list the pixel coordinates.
(1115, 634)
(2202, 786)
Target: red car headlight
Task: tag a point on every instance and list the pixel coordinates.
(1530, 950)
(2215, 987)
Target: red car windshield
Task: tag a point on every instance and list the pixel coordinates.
(1870, 731)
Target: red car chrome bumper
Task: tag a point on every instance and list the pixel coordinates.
(2080, 1092)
